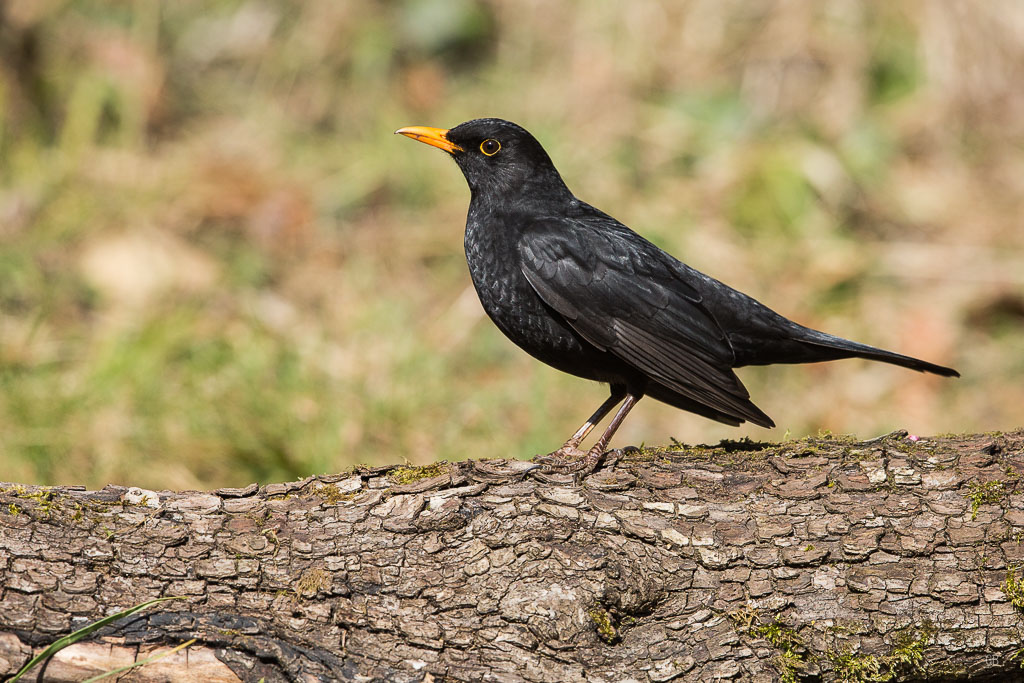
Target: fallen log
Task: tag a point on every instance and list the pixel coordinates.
(818, 559)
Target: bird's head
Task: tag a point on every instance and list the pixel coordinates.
(498, 158)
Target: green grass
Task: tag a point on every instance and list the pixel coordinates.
(217, 265)
(88, 630)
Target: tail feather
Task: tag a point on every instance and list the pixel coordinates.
(852, 349)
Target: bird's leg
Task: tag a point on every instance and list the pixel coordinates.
(590, 461)
(571, 448)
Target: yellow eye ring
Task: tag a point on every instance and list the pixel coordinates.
(490, 147)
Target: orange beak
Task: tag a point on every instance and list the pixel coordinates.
(435, 137)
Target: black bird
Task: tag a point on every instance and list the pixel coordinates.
(580, 291)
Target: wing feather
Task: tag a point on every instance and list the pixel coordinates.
(625, 296)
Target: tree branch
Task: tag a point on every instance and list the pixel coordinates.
(824, 558)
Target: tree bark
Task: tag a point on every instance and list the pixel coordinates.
(821, 559)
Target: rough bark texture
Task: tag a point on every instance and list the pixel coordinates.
(823, 559)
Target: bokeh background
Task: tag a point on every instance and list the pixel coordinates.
(218, 265)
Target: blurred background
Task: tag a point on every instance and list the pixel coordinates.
(218, 265)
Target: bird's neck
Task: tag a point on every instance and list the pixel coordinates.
(535, 194)
(515, 211)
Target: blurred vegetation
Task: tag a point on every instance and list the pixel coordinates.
(217, 265)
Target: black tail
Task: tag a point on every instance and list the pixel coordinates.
(837, 347)
(771, 339)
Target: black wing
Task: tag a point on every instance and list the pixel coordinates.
(625, 296)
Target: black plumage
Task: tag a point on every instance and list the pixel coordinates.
(580, 291)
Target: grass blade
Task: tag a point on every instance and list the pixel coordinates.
(72, 638)
(141, 662)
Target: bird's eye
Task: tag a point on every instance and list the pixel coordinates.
(490, 147)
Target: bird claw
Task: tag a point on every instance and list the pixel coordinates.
(570, 465)
(564, 457)
(502, 470)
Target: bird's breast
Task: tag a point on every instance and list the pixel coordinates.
(492, 252)
(512, 304)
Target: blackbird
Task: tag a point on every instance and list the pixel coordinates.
(580, 291)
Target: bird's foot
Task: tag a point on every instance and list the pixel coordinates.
(567, 465)
(564, 457)
(497, 471)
